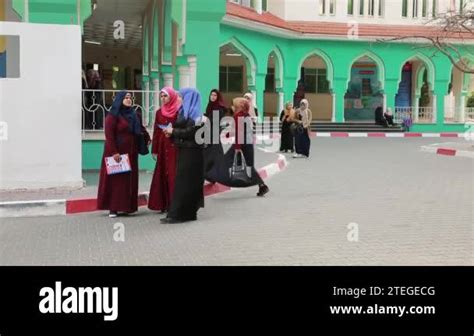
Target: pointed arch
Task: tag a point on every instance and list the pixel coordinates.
(419, 79)
(250, 59)
(380, 67)
(427, 63)
(327, 61)
(279, 67)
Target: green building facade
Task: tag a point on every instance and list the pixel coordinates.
(189, 42)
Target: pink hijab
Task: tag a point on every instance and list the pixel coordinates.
(170, 109)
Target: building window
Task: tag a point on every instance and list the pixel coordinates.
(415, 8)
(315, 81)
(246, 3)
(424, 9)
(434, 8)
(265, 5)
(371, 7)
(381, 7)
(361, 7)
(332, 7)
(350, 7)
(270, 80)
(322, 7)
(405, 8)
(231, 78)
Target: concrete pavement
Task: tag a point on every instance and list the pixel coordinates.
(410, 208)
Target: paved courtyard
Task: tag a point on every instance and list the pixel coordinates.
(410, 207)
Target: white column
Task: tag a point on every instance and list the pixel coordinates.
(333, 119)
(184, 76)
(281, 102)
(78, 8)
(258, 6)
(384, 103)
(192, 61)
(168, 79)
(254, 94)
(435, 108)
(462, 109)
(147, 101)
(415, 112)
(26, 15)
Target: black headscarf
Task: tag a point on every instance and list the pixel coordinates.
(217, 105)
(118, 109)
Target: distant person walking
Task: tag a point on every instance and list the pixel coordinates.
(287, 118)
(302, 140)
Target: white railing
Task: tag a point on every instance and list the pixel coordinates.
(97, 103)
(420, 115)
(454, 115)
(469, 113)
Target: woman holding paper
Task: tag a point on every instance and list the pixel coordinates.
(123, 127)
(164, 152)
(188, 195)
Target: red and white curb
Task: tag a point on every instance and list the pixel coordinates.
(385, 135)
(447, 151)
(61, 207)
(259, 139)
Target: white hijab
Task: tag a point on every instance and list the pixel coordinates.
(249, 97)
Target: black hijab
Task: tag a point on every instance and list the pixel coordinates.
(118, 109)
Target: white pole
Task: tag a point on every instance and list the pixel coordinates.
(78, 12)
(26, 15)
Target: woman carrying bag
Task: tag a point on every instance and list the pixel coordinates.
(287, 118)
(244, 148)
(303, 129)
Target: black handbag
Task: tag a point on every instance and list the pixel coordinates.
(296, 128)
(240, 174)
(142, 145)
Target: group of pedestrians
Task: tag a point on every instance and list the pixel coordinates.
(296, 129)
(182, 162)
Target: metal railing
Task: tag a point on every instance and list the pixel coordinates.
(417, 115)
(455, 115)
(96, 104)
(469, 114)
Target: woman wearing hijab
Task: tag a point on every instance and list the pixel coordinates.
(241, 108)
(253, 111)
(164, 152)
(123, 127)
(302, 140)
(287, 139)
(188, 195)
(215, 111)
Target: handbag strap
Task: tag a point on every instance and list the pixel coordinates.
(241, 153)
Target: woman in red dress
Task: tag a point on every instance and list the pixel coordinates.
(123, 126)
(164, 152)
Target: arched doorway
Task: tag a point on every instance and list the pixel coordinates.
(415, 94)
(459, 103)
(315, 84)
(237, 68)
(273, 97)
(364, 90)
